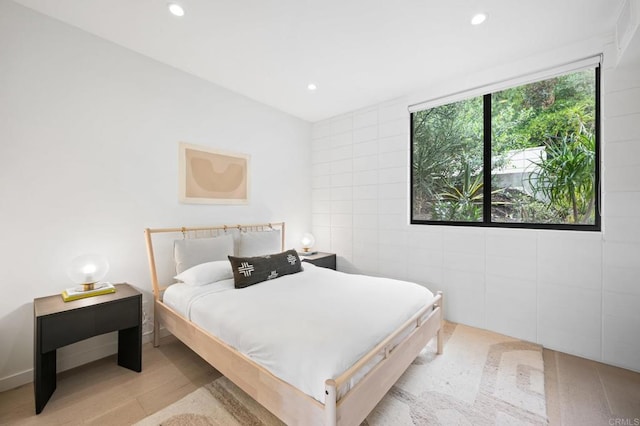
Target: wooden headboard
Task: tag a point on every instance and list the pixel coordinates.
(197, 232)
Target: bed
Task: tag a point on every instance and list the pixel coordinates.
(360, 337)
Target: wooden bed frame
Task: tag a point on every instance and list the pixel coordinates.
(287, 402)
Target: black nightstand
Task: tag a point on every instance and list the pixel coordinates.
(325, 260)
(58, 323)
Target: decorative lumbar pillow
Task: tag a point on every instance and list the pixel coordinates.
(190, 252)
(252, 270)
(206, 273)
(259, 243)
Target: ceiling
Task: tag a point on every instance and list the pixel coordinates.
(357, 52)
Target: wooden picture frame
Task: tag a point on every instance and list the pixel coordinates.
(212, 176)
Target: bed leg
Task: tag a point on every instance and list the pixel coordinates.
(440, 337)
(156, 332)
(330, 398)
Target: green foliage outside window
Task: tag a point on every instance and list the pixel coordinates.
(553, 120)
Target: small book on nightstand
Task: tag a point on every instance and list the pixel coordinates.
(307, 253)
(76, 293)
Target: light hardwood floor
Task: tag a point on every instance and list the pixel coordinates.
(579, 391)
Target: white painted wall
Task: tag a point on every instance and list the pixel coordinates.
(576, 292)
(89, 137)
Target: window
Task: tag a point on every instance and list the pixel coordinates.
(527, 156)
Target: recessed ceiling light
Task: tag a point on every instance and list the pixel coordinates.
(176, 9)
(312, 87)
(478, 19)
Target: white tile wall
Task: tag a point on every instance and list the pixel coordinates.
(621, 255)
(421, 270)
(622, 279)
(365, 206)
(618, 347)
(622, 102)
(430, 238)
(365, 192)
(392, 221)
(515, 299)
(622, 178)
(393, 143)
(570, 259)
(366, 118)
(464, 296)
(341, 166)
(392, 110)
(623, 229)
(571, 291)
(342, 206)
(397, 127)
(570, 319)
(394, 191)
(514, 268)
(365, 134)
(369, 162)
(362, 149)
(622, 305)
(624, 153)
(618, 128)
(622, 204)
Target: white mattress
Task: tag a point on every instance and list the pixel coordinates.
(305, 327)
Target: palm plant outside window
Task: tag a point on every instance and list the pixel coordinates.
(521, 157)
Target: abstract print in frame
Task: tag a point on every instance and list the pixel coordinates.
(210, 176)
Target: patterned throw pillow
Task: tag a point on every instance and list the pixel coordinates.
(252, 270)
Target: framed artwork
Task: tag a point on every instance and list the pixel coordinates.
(210, 176)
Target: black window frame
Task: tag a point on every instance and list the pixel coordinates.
(486, 201)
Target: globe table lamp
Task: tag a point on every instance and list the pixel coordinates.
(87, 270)
(307, 241)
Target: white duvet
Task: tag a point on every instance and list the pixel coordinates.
(305, 327)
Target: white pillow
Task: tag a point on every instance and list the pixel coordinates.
(206, 273)
(259, 243)
(190, 252)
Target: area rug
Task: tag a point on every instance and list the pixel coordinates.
(482, 378)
